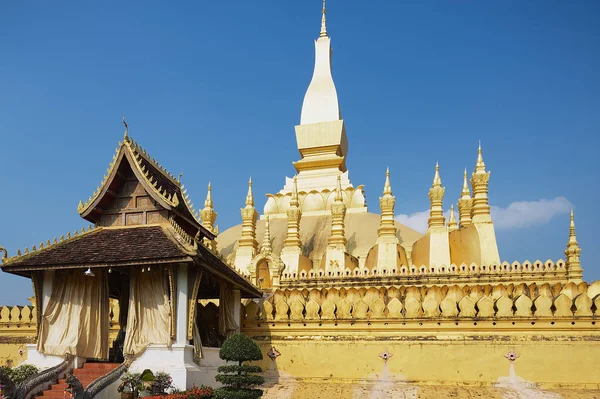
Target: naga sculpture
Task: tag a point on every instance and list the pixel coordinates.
(77, 391)
(22, 390)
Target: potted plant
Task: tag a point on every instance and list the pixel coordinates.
(162, 382)
(240, 380)
(130, 385)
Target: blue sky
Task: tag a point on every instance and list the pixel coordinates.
(214, 89)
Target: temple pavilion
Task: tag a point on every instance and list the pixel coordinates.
(148, 251)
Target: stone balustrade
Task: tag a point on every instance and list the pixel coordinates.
(537, 271)
(25, 318)
(516, 301)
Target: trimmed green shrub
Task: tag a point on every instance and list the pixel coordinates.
(240, 380)
(20, 373)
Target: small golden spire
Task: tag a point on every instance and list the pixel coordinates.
(437, 181)
(266, 244)
(465, 203)
(323, 22)
(249, 196)
(572, 253)
(387, 226)
(452, 219)
(338, 189)
(126, 135)
(465, 191)
(572, 236)
(208, 203)
(480, 166)
(387, 188)
(436, 197)
(295, 199)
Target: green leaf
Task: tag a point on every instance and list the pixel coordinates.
(234, 369)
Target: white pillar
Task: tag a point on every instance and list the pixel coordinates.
(237, 308)
(182, 305)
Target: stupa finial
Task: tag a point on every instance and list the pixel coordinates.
(266, 244)
(208, 203)
(249, 196)
(436, 197)
(465, 189)
(452, 219)
(480, 166)
(338, 190)
(323, 21)
(209, 216)
(437, 181)
(387, 188)
(574, 269)
(465, 203)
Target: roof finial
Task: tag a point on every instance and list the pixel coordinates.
(323, 22)
(126, 135)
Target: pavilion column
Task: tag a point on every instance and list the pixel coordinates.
(237, 308)
(182, 304)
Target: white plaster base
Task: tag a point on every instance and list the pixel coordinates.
(41, 360)
(178, 361)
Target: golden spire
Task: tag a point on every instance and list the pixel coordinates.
(387, 188)
(572, 252)
(465, 190)
(437, 181)
(266, 244)
(452, 220)
(208, 203)
(480, 166)
(465, 203)
(249, 218)
(292, 238)
(480, 212)
(126, 135)
(387, 225)
(338, 213)
(323, 21)
(436, 197)
(249, 196)
(209, 216)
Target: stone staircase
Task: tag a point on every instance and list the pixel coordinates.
(86, 374)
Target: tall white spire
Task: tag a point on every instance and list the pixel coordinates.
(321, 101)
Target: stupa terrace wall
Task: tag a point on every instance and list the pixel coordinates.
(443, 334)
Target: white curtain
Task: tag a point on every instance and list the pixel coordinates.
(149, 316)
(76, 319)
(228, 324)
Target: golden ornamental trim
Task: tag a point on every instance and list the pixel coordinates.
(193, 301)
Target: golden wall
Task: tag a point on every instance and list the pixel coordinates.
(436, 335)
(18, 328)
